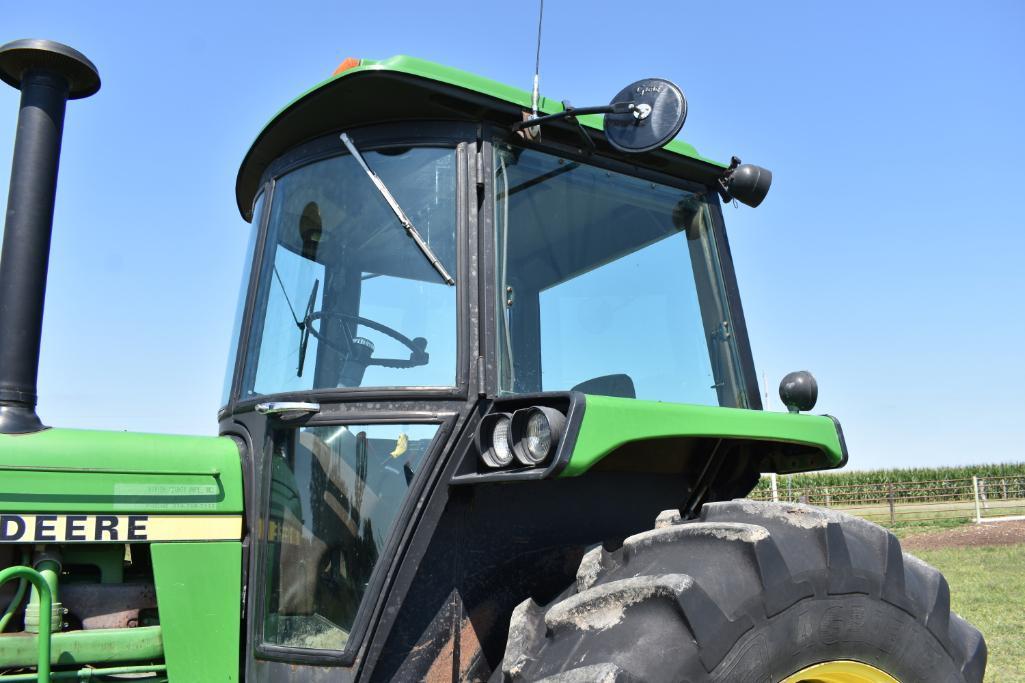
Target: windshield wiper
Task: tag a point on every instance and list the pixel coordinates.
(399, 213)
(304, 335)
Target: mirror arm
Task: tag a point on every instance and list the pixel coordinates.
(573, 112)
(589, 148)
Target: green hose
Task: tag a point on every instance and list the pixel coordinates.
(45, 604)
(18, 596)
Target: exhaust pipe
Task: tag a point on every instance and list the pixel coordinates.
(48, 75)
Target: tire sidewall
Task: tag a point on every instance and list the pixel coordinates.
(844, 627)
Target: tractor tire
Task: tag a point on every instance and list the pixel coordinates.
(749, 592)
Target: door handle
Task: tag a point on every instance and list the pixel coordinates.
(287, 410)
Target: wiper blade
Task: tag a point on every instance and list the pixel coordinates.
(304, 326)
(399, 213)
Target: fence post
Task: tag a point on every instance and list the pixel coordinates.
(772, 484)
(978, 510)
(889, 497)
(825, 489)
(982, 494)
(1003, 483)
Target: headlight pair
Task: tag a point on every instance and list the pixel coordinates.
(529, 435)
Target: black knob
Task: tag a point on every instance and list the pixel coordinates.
(799, 391)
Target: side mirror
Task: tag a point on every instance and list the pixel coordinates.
(656, 114)
(799, 391)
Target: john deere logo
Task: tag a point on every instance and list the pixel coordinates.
(118, 528)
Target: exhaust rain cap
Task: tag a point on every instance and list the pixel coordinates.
(19, 56)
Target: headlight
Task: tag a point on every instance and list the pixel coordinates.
(537, 441)
(493, 442)
(500, 445)
(536, 433)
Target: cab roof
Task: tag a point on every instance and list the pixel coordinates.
(407, 88)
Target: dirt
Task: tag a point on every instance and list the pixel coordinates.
(968, 536)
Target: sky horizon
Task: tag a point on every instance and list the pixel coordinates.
(885, 260)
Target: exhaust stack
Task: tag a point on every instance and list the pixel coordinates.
(48, 75)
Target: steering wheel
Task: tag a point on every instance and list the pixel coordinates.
(355, 348)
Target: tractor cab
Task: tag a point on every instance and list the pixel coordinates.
(596, 268)
(439, 282)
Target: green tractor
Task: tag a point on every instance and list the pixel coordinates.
(490, 415)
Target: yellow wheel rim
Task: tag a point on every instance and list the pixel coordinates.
(840, 671)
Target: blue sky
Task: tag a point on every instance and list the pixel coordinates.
(886, 259)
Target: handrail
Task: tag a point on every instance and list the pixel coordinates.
(91, 674)
(45, 607)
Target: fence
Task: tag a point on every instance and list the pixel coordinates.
(989, 498)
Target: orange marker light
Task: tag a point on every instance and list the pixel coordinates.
(347, 63)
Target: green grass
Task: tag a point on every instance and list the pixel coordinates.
(987, 587)
(928, 515)
(902, 529)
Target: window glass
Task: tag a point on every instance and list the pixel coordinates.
(240, 307)
(608, 284)
(345, 297)
(334, 495)
(638, 315)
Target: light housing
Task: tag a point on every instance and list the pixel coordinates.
(493, 440)
(746, 183)
(347, 63)
(536, 433)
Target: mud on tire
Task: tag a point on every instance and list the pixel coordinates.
(748, 592)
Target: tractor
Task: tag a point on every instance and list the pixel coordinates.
(490, 414)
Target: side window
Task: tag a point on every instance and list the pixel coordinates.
(608, 284)
(240, 307)
(335, 492)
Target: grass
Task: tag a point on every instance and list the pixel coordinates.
(902, 529)
(930, 512)
(987, 587)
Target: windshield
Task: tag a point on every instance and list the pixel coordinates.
(345, 297)
(608, 284)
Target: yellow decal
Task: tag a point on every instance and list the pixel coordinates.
(118, 528)
(401, 446)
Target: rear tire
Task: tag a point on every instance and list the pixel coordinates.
(750, 592)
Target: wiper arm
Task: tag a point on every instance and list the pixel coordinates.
(399, 213)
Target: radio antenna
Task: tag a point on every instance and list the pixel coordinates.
(537, 62)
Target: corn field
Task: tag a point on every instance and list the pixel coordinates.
(910, 495)
(925, 478)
